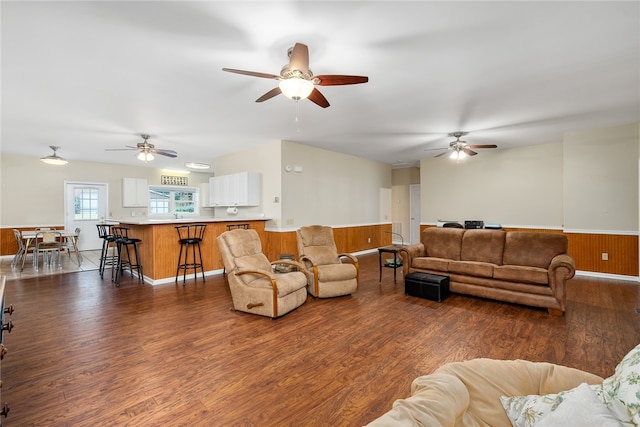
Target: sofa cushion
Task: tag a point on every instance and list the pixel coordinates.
(442, 242)
(533, 249)
(521, 274)
(483, 245)
(471, 268)
(430, 263)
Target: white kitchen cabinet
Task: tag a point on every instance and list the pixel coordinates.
(204, 195)
(135, 193)
(238, 189)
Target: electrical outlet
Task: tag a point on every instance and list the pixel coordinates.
(605, 256)
(369, 240)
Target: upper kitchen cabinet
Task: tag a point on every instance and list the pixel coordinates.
(238, 189)
(135, 193)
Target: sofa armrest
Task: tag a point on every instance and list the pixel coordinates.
(408, 253)
(564, 264)
(561, 269)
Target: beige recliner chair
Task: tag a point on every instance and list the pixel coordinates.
(327, 274)
(255, 288)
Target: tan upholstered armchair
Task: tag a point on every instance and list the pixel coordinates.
(255, 288)
(327, 274)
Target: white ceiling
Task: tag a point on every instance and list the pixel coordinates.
(89, 76)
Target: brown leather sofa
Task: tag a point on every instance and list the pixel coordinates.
(528, 268)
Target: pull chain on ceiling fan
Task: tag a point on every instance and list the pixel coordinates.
(298, 82)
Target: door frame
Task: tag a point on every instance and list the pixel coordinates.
(103, 201)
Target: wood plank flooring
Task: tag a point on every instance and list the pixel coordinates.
(85, 353)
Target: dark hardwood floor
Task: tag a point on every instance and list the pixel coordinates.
(85, 353)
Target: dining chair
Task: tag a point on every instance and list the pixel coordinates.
(49, 242)
(23, 250)
(70, 244)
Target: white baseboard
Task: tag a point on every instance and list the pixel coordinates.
(607, 276)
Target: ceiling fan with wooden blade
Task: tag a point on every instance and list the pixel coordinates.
(298, 82)
(146, 149)
(457, 147)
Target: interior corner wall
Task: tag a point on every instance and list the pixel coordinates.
(402, 179)
(517, 187)
(266, 160)
(330, 188)
(601, 179)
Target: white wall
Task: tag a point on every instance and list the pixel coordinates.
(33, 192)
(513, 187)
(601, 179)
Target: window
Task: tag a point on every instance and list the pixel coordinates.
(85, 201)
(165, 200)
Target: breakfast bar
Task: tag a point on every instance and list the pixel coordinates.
(159, 248)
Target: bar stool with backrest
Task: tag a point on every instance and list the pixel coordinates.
(190, 236)
(108, 241)
(124, 243)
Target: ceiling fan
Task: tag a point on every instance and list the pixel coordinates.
(459, 149)
(298, 82)
(146, 150)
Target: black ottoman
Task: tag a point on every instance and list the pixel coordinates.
(425, 285)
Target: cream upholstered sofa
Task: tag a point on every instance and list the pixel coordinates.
(528, 268)
(519, 393)
(467, 394)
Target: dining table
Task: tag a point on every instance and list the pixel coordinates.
(28, 237)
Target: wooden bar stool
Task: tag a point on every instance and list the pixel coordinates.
(190, 236)
(123, 244)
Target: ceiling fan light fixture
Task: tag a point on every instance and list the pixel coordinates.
(54, 159)
(296, 88)
(458, 154)
(145, 156)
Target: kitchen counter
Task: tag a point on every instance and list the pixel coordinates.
(188, 220)
(159, 247)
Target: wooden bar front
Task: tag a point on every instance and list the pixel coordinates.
(159, 249)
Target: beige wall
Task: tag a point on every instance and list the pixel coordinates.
(601, 179)
(33, 192)
(321, 187)
(333, 188)
(513, 187)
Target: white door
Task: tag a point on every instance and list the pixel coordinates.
(414, 213)
(86, 205)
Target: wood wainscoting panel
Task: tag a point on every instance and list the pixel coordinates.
(621, 250)
(348, 240)
(8, 244)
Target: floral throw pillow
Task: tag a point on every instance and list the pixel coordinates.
(527, 411)
(580, 408)
(621, 391)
